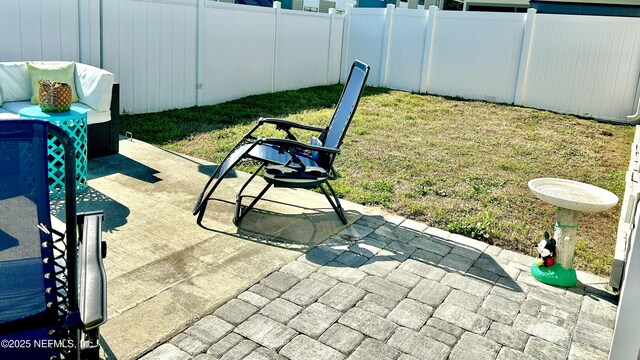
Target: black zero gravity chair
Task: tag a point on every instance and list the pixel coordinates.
(288, 162)
(52, 284)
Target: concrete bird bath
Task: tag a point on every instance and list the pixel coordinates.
(571, 198)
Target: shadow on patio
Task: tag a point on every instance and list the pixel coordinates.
(287, 225)
(387, 248)
(93, 200)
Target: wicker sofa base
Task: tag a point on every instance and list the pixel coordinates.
(102, 139)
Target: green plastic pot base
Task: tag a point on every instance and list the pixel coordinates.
(555, 275)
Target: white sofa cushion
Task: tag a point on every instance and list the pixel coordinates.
(15, 106)
(94, 86)
(93, 117)
(15, 81)
(7, 115)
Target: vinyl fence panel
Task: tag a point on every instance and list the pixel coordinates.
(307, 50)
(89, 35)
(179, 53)
(406, 47)
(476, 55)
(238, 51)
(150, 46)
(585, 65)
(364, 41)
(303, 48)
(39, 30)
(335, 49)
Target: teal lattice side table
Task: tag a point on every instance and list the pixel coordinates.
(74, 122)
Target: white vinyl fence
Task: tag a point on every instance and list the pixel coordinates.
(151, 47)
(181, 53)
(584, 65)
(252, 50)
(475, 55)
(40, 30)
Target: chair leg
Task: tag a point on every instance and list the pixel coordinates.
(201, 203)
(239, 213)
(337, 207)
(90, 349)
(109, 355)
(251, 178)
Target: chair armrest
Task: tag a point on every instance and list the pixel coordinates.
(297, 145)
(286, 124)
(92, 280)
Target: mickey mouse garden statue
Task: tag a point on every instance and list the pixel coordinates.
(546, 251)
(546, 269)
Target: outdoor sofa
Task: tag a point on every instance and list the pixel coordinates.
(97, 93)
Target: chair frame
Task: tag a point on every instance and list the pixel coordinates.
(288, 144)
(78, 316)
(239, 214)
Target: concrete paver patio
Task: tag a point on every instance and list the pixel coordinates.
(377, 290)
(292, 282)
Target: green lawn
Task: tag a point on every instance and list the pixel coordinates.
(458, 165)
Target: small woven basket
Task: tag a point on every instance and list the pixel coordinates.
(54, 96)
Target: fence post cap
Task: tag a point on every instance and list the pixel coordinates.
(277, 5)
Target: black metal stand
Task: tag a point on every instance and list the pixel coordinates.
(337, 207)
(292, 182)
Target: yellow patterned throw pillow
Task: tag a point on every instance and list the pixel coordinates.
(60, 72)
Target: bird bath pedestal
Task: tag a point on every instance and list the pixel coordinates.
(571, 198)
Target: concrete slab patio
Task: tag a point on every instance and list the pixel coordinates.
(294, 283)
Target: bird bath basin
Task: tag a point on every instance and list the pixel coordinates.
(571, 199)
(573, 195)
